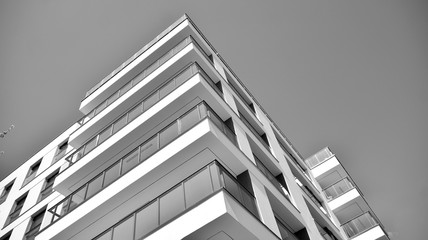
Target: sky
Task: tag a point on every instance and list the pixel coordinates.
(351, 75)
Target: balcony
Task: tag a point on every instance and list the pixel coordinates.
(364, 227)
(138, 156)
(136, 64)
(338, 189)
(191, 83)
(133, 113)
(146, 72)
(144, 84)
(319, 158)
(179, 199)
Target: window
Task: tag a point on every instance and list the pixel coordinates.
(34, 226)
(60, 152)
(16, 210)
(6, 192)
(32, 172)
(47, 190)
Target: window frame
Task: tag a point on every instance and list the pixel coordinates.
(53, 175)
(6, 191)
(14, 208)
(31, 173)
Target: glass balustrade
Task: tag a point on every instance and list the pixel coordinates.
(139, 155)
(359, 225)
(137, 110)
(338, 188)
(183, 196)
(152, 67)
(319, 158)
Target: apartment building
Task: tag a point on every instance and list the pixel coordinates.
(173, 146)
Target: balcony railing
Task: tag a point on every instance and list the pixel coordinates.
(137, 110)
(139, 155)
(338, 189)
(359, 224)
(319, 158)
(174, 202)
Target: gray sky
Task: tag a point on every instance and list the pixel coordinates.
(352, 75)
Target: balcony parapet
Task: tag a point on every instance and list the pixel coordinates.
(137, 156)
(318, 158)
(337, 189)
(359, 225)
(185, 195)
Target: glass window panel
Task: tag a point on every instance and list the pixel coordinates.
(183, 76)
(203, 110)
(104, 135)
(150, 101)
(112, 174)
(168, 134)
(135, 112)
(148, 148)
(165, 57)
(189, 120)
(171, 204)
(197, 187)
(101, 107)
(147, 220)
(77, 199)
(90, 145)
(91, 114)
(130, 161)
(94, 186)
(231, 186)
(119, 124)
(105, 236)
(248, 201)
(151, 68)
(166, 89)
(138, 78)
(77, 155)
(125, 88)
(180, 46)
(125, 230)
(216, 120)
(113, 98)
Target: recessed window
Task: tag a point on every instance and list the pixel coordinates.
(32, 172)
(47, 189)
(16, 210)
(5, 192)
(34, 226)
(60, 152)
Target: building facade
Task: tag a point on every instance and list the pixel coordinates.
(173, 146)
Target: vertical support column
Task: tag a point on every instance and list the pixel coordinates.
(294, 189)
(218, 66)
(263, 205)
